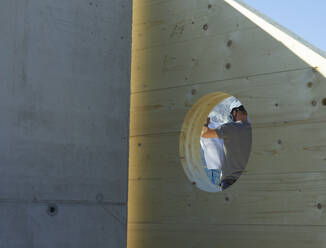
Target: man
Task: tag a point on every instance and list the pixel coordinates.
(237, 144)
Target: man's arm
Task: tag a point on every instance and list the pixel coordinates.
(209, 133)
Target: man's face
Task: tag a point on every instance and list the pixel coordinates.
(239, 115)
(234, 115)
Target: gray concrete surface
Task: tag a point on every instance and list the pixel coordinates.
(64, 107)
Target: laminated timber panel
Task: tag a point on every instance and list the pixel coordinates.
(269, 98)
(155, 156)
(205, 60)
(167, 28)
(207, 236)
(279, 201)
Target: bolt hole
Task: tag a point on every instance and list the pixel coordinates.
(205, 27)
(229, 44)
(319, 206)
(227, 199)
(310, 84)
(324, 101)
(228, 66)
(52, 209)
(209, 6)
(279, 142)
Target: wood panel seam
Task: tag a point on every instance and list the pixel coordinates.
(216, 81)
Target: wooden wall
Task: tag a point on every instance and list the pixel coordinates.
(181, 49)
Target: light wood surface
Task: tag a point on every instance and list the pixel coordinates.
(208, 236)
(280, 200)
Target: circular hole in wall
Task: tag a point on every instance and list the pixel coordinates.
(214, 158)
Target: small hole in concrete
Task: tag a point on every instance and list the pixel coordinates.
(205, 27)
(319, 206)
(228, 66)
(193, 91)
(209, 6)
(52, 209)
(313, 102)
(227, 199)
(309, 84)
(229, 44)
(279, 142)
(276, 104)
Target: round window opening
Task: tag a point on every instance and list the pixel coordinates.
(215, 141)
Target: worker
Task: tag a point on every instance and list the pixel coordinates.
(237, 143)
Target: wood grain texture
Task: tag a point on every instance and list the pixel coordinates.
(280, 199)
(167, 28)
(207, 236)
(269, 98)
(204, 60)
(157, 156)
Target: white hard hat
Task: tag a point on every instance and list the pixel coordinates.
(235, 104)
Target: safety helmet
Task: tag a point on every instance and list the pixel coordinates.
(237, 105)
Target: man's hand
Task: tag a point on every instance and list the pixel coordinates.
(208, 133)
(205, 129)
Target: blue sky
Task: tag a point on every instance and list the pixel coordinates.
(304, 18)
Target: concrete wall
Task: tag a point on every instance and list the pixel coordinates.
(184, 50)
(64, 107)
